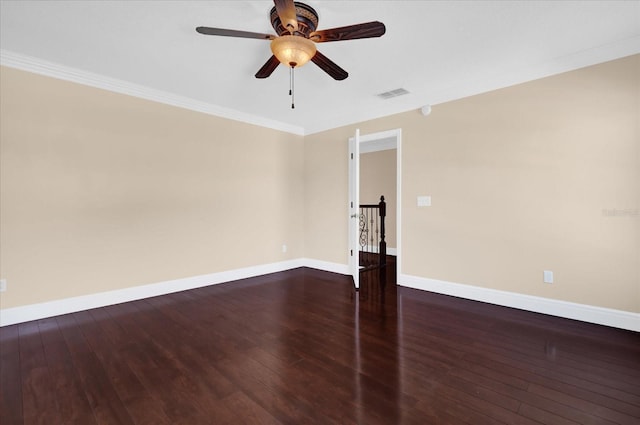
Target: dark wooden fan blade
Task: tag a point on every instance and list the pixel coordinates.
(350, 32)
(234, 33)
(328, 66)
(268, 67)
(287, 12)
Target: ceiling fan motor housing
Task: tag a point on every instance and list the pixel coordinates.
(307, 20)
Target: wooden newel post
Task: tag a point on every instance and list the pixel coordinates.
(383, 243)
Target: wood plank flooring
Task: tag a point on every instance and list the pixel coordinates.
(302, 347)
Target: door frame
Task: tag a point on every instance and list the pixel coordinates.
(387, 138)
(354, 208)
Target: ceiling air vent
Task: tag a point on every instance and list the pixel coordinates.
(392, 93)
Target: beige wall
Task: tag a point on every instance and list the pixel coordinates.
(101, 191)
(539, 176)
(378, 177)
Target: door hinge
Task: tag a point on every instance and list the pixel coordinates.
(352, 252)
(352, 156)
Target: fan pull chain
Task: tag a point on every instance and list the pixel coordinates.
(291, 87)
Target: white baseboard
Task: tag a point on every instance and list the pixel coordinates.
(586, 313)
(326, 266)
(10, 316)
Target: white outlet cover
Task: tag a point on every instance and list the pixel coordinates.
(424, 201)
(3, 285)
(547, 276)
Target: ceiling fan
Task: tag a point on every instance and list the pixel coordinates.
(296, 23)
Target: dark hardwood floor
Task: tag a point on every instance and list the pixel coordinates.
(302, 347)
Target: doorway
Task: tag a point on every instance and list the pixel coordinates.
(384, 143)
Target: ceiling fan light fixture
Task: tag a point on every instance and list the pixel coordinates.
(293, 50)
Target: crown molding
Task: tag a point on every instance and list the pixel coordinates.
(500, 79)
(54, 70)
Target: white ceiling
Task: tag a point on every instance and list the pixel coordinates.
(437, 50)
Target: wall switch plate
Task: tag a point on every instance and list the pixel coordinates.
(3, 285)
(547, 276)
(424, 201)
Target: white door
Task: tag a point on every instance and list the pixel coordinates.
(354, 207)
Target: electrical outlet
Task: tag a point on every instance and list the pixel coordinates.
(424, 201)
(3, 285)
(284, 248)
(547, 276)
